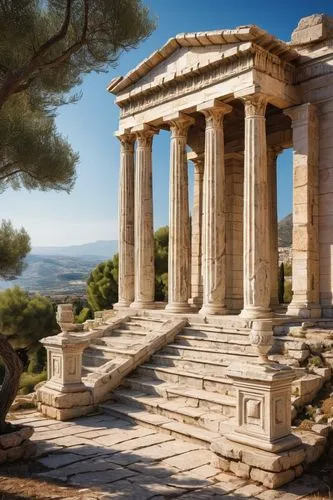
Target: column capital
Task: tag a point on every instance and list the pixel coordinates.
(255, 105)
(126, 139)
(197, 160)
(179, 123)
(144, 134)
(214, 111)
(302, 113)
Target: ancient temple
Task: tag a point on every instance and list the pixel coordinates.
(237, 98)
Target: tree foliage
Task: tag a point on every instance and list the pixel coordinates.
(25, 319)
(46, 47)
(102, 286)
(14, 246)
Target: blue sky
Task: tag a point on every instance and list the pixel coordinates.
(89, 213)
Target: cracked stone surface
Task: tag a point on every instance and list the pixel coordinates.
(119, 459)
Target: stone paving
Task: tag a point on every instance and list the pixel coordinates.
(105, 457)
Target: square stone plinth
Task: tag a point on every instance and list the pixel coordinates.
(263, 410)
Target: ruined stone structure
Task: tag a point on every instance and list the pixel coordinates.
(217, 364)
(237, 98)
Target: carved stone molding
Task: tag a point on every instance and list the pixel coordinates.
(179, 125)
(127, 141)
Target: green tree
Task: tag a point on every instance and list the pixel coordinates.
(281, 284)
(14, 247)
(46, 47)
(23, 321)
(102, 285)
(161, 238)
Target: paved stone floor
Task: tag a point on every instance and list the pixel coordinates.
(102, 458)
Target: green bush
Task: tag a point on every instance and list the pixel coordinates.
(29, 380)
(84, 315)
(287, 292)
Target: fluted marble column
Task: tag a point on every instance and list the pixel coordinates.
(257, 270)
(196, 233)
(126, 221)
(213, 217)
(179, 220)
(272, 154)
(144, 233)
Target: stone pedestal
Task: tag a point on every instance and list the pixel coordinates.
(263, 392)
(64, 395)
(257, 271)
(305, 249)
(179, 219)
(213, 217)
(126, 221)
(144, 232)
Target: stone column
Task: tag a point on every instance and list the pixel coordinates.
(272, 154)
(305, 252)
(126, 221)
(144, 233)
(213, 222)
(234, 169)
(196, 233)
(257, 271)
(179, 220)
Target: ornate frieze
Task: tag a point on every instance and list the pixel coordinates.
(175, 88)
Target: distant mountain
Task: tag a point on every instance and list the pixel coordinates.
(53, 275)
(103, 248)
(285, 230)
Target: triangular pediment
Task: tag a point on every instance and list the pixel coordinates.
(189, 52)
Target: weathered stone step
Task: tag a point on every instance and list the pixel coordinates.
(163, 424)
(126, 334)
(176, 376)
(198, 328)
(217, 355)
(109, 352)
(176, 409)
(214, 344)
(205, 367)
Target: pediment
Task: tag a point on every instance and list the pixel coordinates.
(194, 52)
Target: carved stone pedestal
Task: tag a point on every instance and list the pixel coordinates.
(263, 393)
(64, 396)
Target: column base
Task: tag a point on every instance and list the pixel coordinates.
(122, 304)
(142, 305)
(178, 307)
(213, 309)
(255, 312)
(305, 311)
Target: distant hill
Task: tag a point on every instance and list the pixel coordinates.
(285, 230)
(52, 275)
(102, 248)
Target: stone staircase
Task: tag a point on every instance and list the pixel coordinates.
(127, 338)
(183, 388)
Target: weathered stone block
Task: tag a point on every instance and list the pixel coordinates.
(240, 469)
(272, 479)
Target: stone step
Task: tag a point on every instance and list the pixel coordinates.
(199, 328)
(122, 333)
(242, 346)
(176, 409)
(108, 352)
(217, 355)
(189, 379)
(190, 365)
(161, 423)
